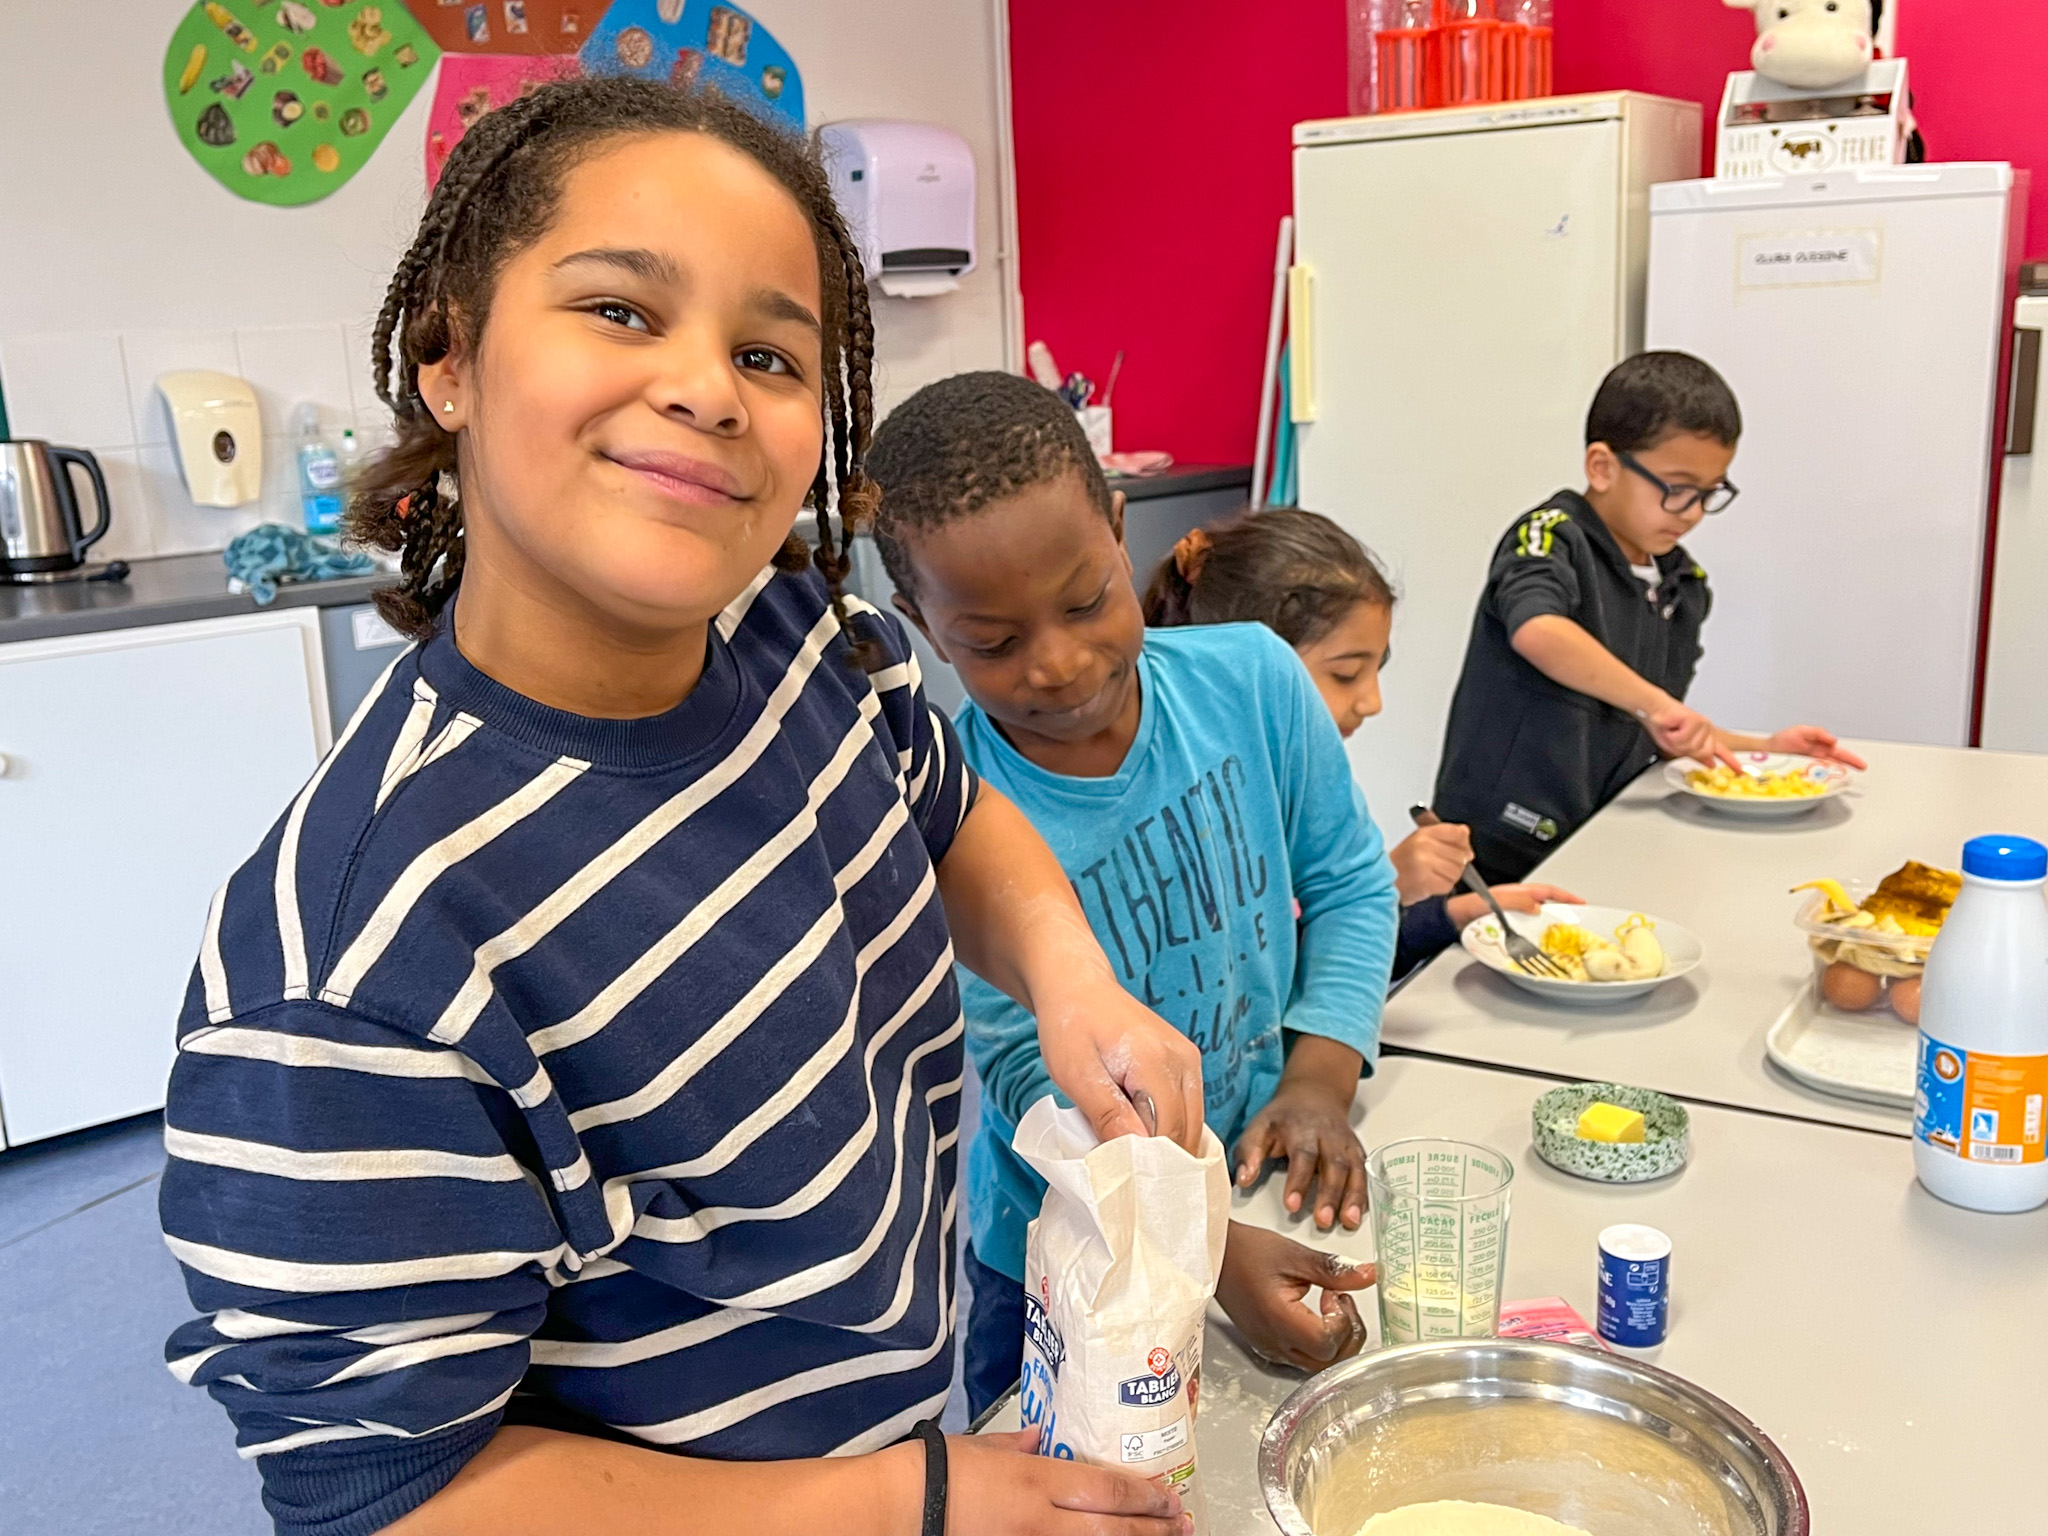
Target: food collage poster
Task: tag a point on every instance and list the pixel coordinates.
(283, 102)
(517, 27)
(693, 42)
(472, 84)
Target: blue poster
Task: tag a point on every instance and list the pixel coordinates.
(693, 42)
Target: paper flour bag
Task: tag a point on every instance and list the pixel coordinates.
(1118, 1271)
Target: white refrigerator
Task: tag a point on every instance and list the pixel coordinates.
(1858, 316)
(2016, 663)
(1463, 280)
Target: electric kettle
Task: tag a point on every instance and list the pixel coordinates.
(42, 537)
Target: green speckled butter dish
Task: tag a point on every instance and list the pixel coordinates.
(1667, 1134)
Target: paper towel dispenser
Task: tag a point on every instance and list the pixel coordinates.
(907, 190)
(217, 435)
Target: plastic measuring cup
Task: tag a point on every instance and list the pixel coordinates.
(1440, 1225)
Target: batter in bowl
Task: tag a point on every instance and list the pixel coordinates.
(1457, 1517)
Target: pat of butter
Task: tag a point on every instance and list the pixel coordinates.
(1610, 1122)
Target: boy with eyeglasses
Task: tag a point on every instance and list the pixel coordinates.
(1588, 632)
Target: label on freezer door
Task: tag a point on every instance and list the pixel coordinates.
(1812, 257)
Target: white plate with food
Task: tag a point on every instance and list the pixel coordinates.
(1871, 1057)
(1766, 785)
(1615, 954)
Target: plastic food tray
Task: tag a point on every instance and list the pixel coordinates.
(1870, 1057)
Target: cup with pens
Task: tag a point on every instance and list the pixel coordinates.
(1078, 390)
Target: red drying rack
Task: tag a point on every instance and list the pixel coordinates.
(1456, 53)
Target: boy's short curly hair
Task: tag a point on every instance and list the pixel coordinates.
(1645, 398)
(957, 445)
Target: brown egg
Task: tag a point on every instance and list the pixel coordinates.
(1906, 998)
(1851, 990)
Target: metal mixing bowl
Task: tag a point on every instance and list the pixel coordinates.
(1597, 1441)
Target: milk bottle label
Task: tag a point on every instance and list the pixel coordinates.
(1981, 1108)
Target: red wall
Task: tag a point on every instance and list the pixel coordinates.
(1682, 48)
(1152, 171)
(1980, 89)
(1980, 77)
(1152, 162)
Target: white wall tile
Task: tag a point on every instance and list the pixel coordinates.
(374, 431)
(280, 496)
(178, 527)
(68, 388)
(151, 354)
(293, 365)
(132, 489)
(355, 344)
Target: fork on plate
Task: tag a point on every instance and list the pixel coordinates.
(1522, 953)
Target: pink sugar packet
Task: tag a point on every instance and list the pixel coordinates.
(1551, 1318)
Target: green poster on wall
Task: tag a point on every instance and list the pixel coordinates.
(283, 102)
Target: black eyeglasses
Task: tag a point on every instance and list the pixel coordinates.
(1680, 499)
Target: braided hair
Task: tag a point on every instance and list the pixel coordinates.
(497, 195)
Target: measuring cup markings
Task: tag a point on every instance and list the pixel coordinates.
(1441, 1214)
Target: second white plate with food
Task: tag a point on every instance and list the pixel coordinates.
(1679, 950)
(1767, 786)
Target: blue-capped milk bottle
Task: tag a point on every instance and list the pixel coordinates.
(1983, 1087)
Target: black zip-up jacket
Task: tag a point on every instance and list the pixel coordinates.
(1527, 761)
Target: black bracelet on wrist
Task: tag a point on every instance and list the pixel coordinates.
(934, 1477)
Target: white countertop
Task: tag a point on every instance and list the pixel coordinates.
(1893, 1346)
(1702, 1037)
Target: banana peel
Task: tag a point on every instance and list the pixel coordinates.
(1913, 899)
(1909, 903)
(1878, 962)
(1838, 898)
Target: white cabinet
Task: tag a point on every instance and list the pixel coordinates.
(140, 767)
(2016, 668)
(1857, 314)
(1470, 276)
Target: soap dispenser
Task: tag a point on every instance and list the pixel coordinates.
(217, 434)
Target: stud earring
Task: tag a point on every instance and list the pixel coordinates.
(447, 407)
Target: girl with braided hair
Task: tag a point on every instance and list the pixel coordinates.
(1321, 591)
(572, 1076)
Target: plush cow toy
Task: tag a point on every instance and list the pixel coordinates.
(1810, 44)
(1813, 44)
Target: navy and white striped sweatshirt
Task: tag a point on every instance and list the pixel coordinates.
(596, 1073)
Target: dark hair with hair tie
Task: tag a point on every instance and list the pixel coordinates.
(1295, 572)
(497, 195)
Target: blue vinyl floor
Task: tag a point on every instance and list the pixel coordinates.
(95, 1435)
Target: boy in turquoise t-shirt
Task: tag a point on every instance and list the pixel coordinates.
(1191, 783)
